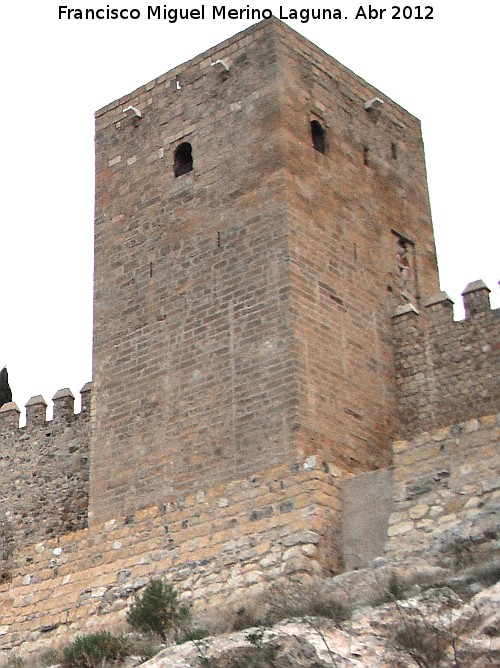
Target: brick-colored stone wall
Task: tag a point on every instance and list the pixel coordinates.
(349, 211)
(193, 366)
(447, 371)
(444, 480)
(44, 473)
(242, 309)
(218, 547)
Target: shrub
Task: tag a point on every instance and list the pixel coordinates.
(424, 643)
(15, 662)
(158, 610)
(191, 634)
(93, 650)
(305, 600)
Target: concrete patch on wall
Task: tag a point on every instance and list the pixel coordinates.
(366, 508)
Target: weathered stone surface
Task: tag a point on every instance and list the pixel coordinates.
(239, 323)
(245, 360)
(447, 371)
(44, 472)
(469, 629)
(446, 505)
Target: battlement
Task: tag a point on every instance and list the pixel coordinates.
(44, 468)
(446, 368)
(36, 409)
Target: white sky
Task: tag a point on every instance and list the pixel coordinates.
(55, 73)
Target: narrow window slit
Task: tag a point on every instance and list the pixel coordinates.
(318, 136)
(183, 159)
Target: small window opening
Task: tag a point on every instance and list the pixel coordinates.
(183, 159)
(366, 153)
(394, 151)
(318, 136)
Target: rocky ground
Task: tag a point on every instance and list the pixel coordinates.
(435, 628)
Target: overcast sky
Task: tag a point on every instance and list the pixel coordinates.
(56, 72)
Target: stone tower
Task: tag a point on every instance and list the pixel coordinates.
(259, 216)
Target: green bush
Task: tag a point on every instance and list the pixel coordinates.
(93, 650)
(158, 610)
(145, 646)
(191, 634)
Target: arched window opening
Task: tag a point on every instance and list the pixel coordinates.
(318, 136)
(183, 159)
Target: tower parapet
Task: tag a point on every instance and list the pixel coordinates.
(36, 409)
(446, 370)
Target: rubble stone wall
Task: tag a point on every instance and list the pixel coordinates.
(216, 547)
(446, 370)
(44, 473)
(446, 491)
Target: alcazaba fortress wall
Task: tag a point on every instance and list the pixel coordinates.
(279, 387)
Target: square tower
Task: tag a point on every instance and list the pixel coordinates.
(257, 222)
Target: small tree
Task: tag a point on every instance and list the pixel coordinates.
(159, 610)
(5, 392)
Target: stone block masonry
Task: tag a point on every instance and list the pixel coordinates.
(257, 225)
(447, 371)
(44, 473)
(446, 492)
(245, 272)
(217, 547)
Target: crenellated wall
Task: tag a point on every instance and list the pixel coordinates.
(44, 472)
(447, 371)
(245, 364)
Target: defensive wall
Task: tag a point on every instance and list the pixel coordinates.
(217, 547)
(446, 370)
(229, 543)
(446, 493)
(232, 540)
(44, 472)
(262, 334)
